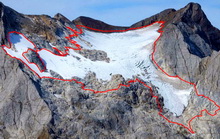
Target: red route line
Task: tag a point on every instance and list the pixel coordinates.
(65, 53)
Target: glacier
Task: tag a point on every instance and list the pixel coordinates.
(129, 53)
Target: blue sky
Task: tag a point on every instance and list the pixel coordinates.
(115, 12)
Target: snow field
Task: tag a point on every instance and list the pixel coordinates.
(129, 54)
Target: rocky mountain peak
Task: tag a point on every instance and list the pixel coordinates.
(193, 13)
(190, 14)
(194, 6)
(61, 18)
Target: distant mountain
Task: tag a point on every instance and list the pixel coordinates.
(45, 108)
(89, 22)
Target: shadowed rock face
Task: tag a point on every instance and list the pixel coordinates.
(46, 108)
(33, 57)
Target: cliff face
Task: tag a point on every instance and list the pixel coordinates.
(23, 112)
(46, 108)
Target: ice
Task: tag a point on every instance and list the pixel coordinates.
(20, 42)
(21, 45)
(129, 54)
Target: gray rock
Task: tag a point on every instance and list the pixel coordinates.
(23, 113)
(33, 57)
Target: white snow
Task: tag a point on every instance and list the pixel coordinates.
(129, 54)
(21, 44)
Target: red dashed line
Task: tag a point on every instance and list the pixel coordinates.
(78, 47)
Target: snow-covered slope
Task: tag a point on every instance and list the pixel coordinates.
(20, 45)
(129, 53)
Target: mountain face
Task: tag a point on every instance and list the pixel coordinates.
(32, 107)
